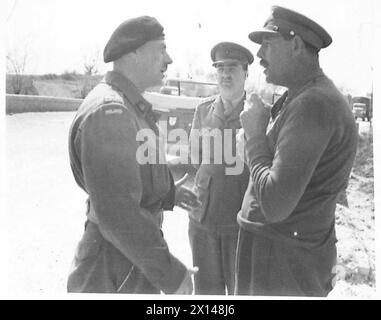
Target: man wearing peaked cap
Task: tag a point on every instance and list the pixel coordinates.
(290, 23)
(300, 154)
(213, 228)
(122, 249)
(225, 52)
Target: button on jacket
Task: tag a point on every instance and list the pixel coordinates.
(297, 171)
(220, 194)
(126, 198)
(213, 227)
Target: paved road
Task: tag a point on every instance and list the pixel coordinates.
(45, 208)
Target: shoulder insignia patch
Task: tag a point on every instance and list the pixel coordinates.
(113, 97)
(113, 111)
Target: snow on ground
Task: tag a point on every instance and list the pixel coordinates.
(45, 213)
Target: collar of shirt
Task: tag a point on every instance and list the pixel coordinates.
(278, 105)
(219, 109)
(231, 105)
(288, 96)
(131, 93)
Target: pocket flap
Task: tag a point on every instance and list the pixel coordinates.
(203, 181)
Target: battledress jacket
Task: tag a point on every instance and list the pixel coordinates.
(126, 198)
(297, 171)
(221, 194)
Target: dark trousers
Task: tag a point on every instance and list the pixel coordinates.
(98, 267)
(268, 267)
(214, 254)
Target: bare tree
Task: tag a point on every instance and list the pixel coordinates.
(20, 60)
(16, 62)
(91, 63)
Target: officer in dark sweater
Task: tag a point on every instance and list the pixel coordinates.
(299, 162)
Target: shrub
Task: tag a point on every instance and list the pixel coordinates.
(49, 76)
(86, 86)
(20, 84)
(363, 165)
(69, 75)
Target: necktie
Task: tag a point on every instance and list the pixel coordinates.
(228, 106)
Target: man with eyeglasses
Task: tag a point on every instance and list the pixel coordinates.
(213, 228)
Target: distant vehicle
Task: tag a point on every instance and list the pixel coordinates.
(177, 100)
(176, 110)
(359, 111)
(362, 108)
(189, 88)
(170, 90)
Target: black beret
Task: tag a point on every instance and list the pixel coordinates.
(289, 22)
(131, 35)
(230, 52)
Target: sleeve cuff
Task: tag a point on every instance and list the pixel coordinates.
(174, 276)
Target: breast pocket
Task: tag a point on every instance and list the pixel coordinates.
(202, 190)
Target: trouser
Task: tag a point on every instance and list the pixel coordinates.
(98, 267)
(214, 254)
(269, 267)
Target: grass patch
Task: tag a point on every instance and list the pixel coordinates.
(363, 165)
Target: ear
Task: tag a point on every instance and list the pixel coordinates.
(297, 45)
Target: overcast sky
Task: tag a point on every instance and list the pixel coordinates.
(58, 34)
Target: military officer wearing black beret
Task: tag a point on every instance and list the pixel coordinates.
(299, 162)
(213, 228)
(122, 249)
